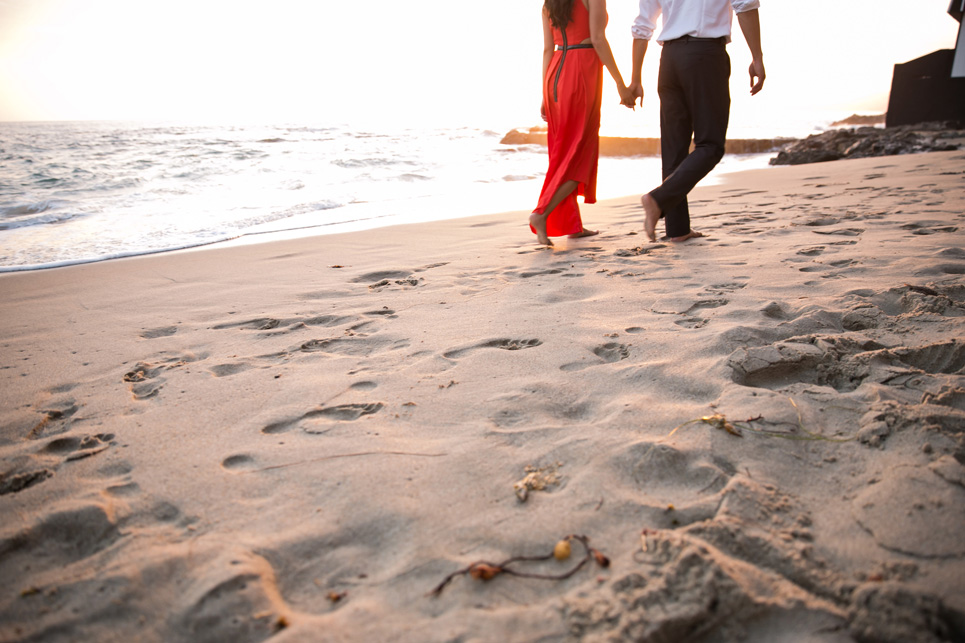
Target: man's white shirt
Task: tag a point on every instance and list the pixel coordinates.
(696, 18)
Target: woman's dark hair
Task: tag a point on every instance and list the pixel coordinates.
(560, 12)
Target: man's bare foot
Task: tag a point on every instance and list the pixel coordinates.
(584, 233)
(693, 234)
(538, 221)
(651, 216)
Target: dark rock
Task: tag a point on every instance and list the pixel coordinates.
(864, 142)
(861, 119)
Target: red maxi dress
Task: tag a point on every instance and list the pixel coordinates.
(572, 93)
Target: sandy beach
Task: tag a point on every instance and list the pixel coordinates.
(761, 430)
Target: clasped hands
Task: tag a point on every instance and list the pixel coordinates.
(630, 95)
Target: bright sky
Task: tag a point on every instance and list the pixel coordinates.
(409, 63)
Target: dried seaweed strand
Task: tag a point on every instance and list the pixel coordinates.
(719, 421)
(483, 570)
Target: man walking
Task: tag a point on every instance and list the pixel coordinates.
(693, 85)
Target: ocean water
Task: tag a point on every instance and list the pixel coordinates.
(89, 191)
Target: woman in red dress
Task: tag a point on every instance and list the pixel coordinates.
(575, 50)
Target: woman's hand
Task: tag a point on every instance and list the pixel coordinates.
(542, 112)
(628, 97)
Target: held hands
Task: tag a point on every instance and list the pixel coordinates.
(630, 95)
(756, 71)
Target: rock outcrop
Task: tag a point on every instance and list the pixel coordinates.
(864, 142)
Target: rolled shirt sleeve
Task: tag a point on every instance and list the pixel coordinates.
(646, 22)
(740, 6)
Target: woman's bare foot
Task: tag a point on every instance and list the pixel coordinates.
(651, 216)
(584, 233)
(693, 234)
(538, 221)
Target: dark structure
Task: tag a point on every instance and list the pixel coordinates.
(931, 88)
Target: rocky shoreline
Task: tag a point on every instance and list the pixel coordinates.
(626, 146)
(832, 145)
(864, 142)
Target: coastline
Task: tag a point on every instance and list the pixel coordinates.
(299, 439)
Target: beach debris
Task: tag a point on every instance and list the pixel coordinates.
(644, 545)
(562, 550)
(335, 597)
(721, 423)
(484, 570)
(737, 428)
(537, 479)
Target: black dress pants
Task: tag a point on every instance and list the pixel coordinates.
(694, 89)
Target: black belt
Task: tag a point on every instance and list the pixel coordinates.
(559, 70)
(722, 40)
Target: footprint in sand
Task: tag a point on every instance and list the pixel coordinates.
(239, 462)
(692, 481)
(35, 469)
(928, 227)
(227, 370)
(78, 448)
(846, 232)
(154, 333)
(339, 413)
(631, 252)
(909, 512)
(692, 322)
(504, 344)
(841, 363)
(270, 323)
(356, 346)
(720, 289)
(407, 281)
(612, 352)
(145, 378)
(259, 323)
(55, 420)
(381, 275)
(539, 273)
(15, 482)
(609, 353)
(706, 304)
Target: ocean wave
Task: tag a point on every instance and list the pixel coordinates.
(25, 209)
(107, 257)
(38, 220)
(376, 161)
(294, 211)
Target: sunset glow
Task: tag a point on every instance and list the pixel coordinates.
(383, 62)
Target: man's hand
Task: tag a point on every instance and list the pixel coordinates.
(636, 94)
(756, 71)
